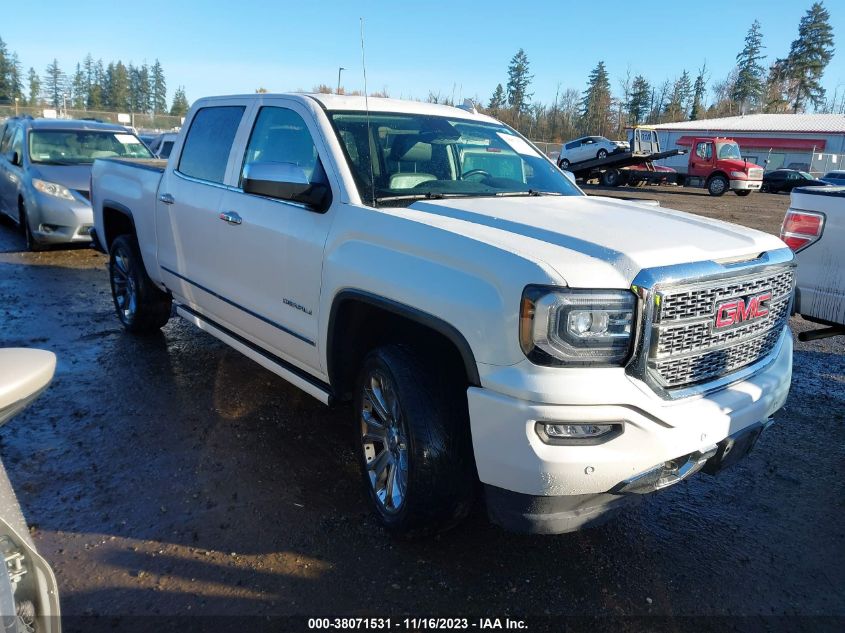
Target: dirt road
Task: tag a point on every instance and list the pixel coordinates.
(170, 475)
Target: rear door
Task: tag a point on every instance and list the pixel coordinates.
(5, 160)
(189, 251)
(275, 273)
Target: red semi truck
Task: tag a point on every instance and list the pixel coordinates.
(716, 163)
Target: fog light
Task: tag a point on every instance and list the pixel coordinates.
(564, 433)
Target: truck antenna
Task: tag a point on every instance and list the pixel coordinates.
(370, 140)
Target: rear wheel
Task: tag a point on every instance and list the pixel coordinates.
(611, 178)
(564, 163)
(413, 442)
(32, 244)
(601, 154)
(717, 185)
(139, 304)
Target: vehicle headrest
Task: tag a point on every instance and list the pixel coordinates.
(407, 149)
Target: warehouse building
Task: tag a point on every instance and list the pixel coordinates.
(810, 142)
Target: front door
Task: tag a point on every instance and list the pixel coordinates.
(701, 159)
(276, 246)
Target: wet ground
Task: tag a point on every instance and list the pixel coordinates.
(170, 475)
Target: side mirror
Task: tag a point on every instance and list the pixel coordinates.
(16, 159)
(285, 181)
(24, 373)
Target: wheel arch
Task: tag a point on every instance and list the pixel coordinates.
(375, 319)
(117, 220)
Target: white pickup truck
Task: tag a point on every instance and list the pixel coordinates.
(488, 321)
(814, 227)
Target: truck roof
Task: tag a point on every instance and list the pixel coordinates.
(359, 103)
(73, 124)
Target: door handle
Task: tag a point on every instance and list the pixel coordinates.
(166, 198)
(230, 217)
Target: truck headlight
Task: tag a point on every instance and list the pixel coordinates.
(561, 326)
(52, 189)
(739, 174)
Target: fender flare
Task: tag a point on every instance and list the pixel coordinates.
(445, 329)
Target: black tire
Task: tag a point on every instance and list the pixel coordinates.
(611, 178)
(564, 163)
(431, 423)
(602, 153)
(742, 192)
(141, 306)
(32, 245)
(717, 185)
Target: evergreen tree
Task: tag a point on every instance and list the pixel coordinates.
(118, 87)
(158, 89)
(97, 92)
(497, 101)
(698, 90)
(34, 87)
(144, 96)
(180, 103)
(596, 102)
(808, 57)
(5, 85)
(638, 100)
(16, 77)
(748, 89)
(518, 81)
(55, 84)
(79, 89)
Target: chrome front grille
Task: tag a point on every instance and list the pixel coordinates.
(686, 348)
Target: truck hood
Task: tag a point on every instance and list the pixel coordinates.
(738, 165)
(592, 242)
(71, 176)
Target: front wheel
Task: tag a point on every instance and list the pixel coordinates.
(602, 154)
(413, 442)
(141, 306)
(717, 185)
(742, 192)
(564, 163)
(32, 244)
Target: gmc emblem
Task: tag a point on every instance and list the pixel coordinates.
(738, 311)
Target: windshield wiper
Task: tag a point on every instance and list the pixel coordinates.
(429, 195)
(530, 192)
(58, 162)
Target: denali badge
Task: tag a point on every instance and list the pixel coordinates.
(738, 311)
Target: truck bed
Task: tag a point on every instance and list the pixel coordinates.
(153, 164)
(618, 160)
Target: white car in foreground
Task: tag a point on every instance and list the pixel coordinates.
(486, 318)
(814, 227)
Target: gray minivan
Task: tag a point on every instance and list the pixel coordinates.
(45, 168)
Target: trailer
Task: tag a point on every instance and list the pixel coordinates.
(634, 166)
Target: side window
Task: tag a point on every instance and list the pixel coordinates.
(209, 141)
(17, 144)
(704, 150)
(6, 139)
(281, 136)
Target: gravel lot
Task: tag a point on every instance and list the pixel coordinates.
(170, 475)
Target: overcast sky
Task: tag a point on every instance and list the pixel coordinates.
(454, 48)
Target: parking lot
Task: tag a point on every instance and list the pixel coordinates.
(169, 475)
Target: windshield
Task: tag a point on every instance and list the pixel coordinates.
(80, 147)
(728, 150)
(407, 157)
(806, 176)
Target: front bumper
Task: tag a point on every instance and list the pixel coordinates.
(746, 185)
(55, 220)
(510, 455)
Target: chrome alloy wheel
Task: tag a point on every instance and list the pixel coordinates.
(123, 286)
(384, 440)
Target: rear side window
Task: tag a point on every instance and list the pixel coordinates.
(209, 141)
(6, 140)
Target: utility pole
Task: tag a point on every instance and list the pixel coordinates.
(16, 105)
(339, 70)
